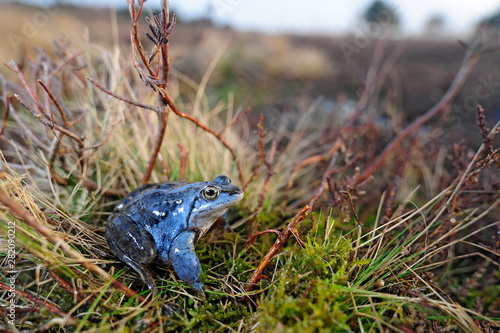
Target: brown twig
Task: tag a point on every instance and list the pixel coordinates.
(237, 120)
(371, 78)
(482, 127)
(142, 75)
(167, 29)
(56, 103)
(77, 119)
(152, 327)
(260, 126)
(262, 194)
(92, 185)
(105, 138)
(316, 159)
(184, 157)
(351, 204)
(282, 238)
(251, 240)
(32, 221)
(71, 321)
(304, 163)
(308, 289)
(152, 80)
(121, 98)
(26, 129)
(377, 73)
(5, 115)
(337, 145)
(470, 59)
(390, 202)
(135, 14)
(65, 62)
(324, 182)
(50, 123)
(162, 126)
(13, 66)
(66, 286)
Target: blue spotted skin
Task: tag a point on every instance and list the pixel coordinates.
(162, 222)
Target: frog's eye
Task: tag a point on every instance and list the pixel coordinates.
(211, 193)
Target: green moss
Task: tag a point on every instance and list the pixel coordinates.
(306, 296)
(215, 314)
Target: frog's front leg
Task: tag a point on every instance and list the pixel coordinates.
(184, 260)
(133, 245)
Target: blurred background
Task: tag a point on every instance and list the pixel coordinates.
(282, 57)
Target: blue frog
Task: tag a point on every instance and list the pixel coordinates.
(161, 223)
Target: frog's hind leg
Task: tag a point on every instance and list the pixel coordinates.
(184, 259)
(132, 245)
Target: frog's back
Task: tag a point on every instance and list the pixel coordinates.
(128, 199)
(162, 209)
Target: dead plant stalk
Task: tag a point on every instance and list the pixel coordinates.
(158, 81)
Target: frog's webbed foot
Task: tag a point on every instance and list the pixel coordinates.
(184, 260)
(144, 272)
(134, 246)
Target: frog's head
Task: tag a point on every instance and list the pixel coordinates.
(213, 200)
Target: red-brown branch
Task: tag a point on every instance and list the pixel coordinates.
(121, 98)
(65, 284)
(5, 115)
(51, 124)
(482, 127)
(13, 66)
(282, 238)
(135, 14)
(162, 126)
(237, 120)
(65, 62)
(252, 226)
(351, 204)
(92, 185)
(77, 119)
(184, 158)
(338, 144)
(56, 103)
(251, 240)
(26, 129)
(260, 126)
(164, 47)
(105, 138)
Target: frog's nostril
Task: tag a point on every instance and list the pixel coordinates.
(236, 191)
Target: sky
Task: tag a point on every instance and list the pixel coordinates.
(320, 16)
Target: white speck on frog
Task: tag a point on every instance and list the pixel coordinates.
(160, 214)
